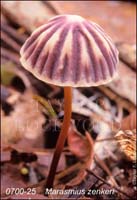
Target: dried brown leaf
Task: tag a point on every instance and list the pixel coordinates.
(125, 84)
(127, 53)
(129, 122)
(24, 121)
(82, 147)
(32, 13)
(127, 142)
(78, 179)
(45, 158)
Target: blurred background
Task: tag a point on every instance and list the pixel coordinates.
(28, 132)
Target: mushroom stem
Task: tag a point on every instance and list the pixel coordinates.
(62, 135)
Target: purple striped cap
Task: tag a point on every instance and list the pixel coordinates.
(70, 51)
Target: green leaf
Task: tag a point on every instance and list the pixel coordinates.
(46, 104)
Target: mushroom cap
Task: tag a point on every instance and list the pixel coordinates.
(70, 51)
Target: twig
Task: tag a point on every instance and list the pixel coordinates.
(10, 56)
(52, 7)
(10, 42)
(106, 169)
(13, 33)
(69, 170)
(101, 179)
(127, 54)
(119, 100)
(93, 107)
(110, 153)
(105, 139)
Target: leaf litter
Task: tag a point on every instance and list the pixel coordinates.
(27, 126)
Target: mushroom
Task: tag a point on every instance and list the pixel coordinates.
(69, 51)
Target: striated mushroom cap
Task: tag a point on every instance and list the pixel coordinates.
(70, 51)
